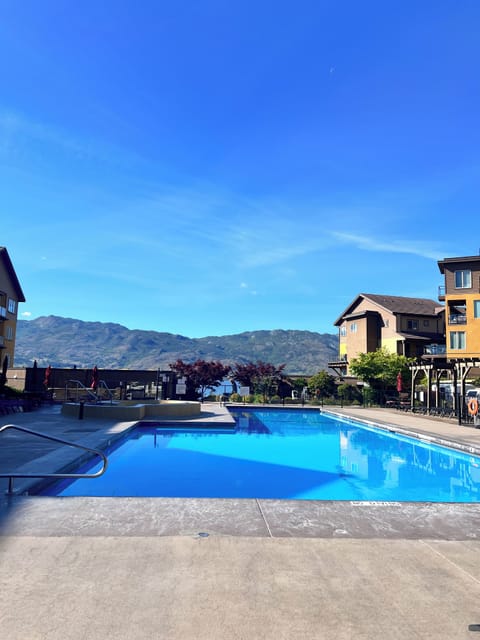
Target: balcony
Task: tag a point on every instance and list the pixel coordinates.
(441, 292)
(457, 318)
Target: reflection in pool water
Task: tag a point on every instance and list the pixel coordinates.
(287, 454)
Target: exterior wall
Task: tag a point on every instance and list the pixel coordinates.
(343, 345)
(378, 327)
(467, 296)
(135, 411)
(449, 272)
(31, 379)
(426, 324)
(8, 326)
(389, 331)
(471, 327)
(391, 344)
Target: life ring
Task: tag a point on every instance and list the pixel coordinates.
(472, 406)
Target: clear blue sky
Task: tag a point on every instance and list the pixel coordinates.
(211, 167)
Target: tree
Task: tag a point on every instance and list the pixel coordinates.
(380, 369)
(200, 376)
(349, 393)
(260, 376)
(322, 385)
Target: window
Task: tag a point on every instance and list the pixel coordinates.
(426, 323)
(412, 325)
(476, 308)
(9, 332)
(11, 305)
(343, 331)
(353, 327)
(463, 279)
(457, 339)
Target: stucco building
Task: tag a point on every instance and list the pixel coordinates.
(10, 295)
(405, 326)
(461, 294)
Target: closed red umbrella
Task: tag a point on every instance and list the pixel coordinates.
(399, 382)
(48, 373)
(94, 384)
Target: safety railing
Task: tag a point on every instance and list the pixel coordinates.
(77, 388)
(96, 452)
(102, 385)
(80, 389)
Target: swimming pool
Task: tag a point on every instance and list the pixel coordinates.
(283, 454)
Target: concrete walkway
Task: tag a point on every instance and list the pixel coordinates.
(124, 568)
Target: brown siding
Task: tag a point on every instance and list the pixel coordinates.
(462, 266)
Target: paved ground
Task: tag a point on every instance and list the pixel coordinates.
(121, 568)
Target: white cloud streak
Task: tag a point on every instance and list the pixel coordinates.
(17, 131)
(412, 247)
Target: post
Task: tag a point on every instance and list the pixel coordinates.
(81, 409)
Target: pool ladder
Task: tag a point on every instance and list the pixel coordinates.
(11, 476)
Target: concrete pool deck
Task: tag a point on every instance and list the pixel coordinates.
(121, 568)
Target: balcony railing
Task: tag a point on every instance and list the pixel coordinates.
(441, 292)
(457, 318)
(435, 349)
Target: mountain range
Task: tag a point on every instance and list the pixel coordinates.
(65, 342)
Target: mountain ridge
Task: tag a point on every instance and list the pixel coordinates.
(65, 342)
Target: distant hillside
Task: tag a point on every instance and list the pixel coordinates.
(64, 342)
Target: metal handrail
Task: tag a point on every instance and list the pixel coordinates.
(96, 452)
(102, 384)
(79, 385)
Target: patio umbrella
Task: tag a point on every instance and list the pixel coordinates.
(399, 382)
(94, 384)
(48, 373)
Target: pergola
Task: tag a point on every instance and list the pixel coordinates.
(434, 367)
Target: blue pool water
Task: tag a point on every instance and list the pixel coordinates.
(282, 454)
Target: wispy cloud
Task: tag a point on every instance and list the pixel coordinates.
(18, 131)
(392, 245)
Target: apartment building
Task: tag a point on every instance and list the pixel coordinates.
(461, 294)
(405, 326)
(10, 295)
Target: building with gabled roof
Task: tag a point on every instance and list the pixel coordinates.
(405, 326)
(10, 295)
